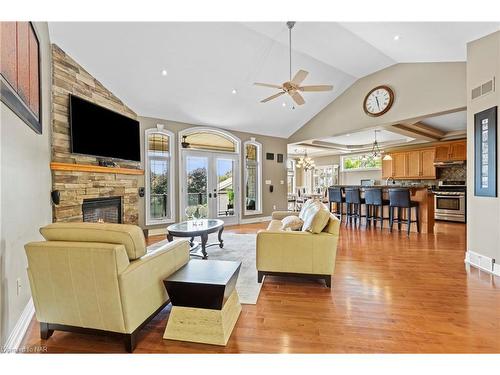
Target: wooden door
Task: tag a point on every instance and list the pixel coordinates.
(458, 151)
(442, 153)
(428, 168)
(414, 164)
(399, 163)
(387, 168)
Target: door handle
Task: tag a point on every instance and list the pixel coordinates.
(210, 195)
(215, 195)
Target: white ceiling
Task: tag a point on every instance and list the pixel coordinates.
(447, 123)
(206, 61)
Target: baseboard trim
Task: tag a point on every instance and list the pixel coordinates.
(255, 220)
(16, 336)
(482, 262)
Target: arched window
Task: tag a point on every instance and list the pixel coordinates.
(253, 177)
(159, 165)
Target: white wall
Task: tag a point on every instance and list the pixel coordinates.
(483, 64)
(25, 194)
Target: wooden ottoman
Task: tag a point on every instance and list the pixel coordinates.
(205, 304)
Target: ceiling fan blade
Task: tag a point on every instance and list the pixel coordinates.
(299, 77)
(272, 97)
(316, 88)
(297, 98)
(268, 85)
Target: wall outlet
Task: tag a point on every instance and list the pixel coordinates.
(274, 206)
(282, 182)
(268, 182)
(18, 286)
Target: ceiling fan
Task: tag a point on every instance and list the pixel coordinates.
(293, 87)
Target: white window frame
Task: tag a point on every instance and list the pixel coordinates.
(160, 129)
(294, 181)
(258, 203)
(342, 169)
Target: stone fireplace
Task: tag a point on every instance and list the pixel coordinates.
(102, 210)
(79, 179)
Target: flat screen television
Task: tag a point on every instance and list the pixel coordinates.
(100, 132)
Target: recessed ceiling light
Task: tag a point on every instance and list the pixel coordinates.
(396, 37)
(283, 104)
(234, 91)
(164, 72)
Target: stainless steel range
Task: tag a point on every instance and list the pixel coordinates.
(449, 201)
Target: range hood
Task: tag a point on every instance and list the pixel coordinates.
(443, 164)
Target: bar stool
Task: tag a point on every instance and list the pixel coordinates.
(375, 206)
(354, 201)
(336, 195)
(400, 198)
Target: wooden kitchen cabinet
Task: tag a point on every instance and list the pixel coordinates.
(458, 151)
(415, 164)
(428, 169)
(386, 168)
(454, 151)
(399, 165)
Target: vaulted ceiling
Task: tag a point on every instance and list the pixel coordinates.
(206, 62)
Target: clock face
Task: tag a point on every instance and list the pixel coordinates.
(378, 101)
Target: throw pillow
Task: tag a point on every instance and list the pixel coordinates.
(292, 223)
(305, 208)
(316, 219)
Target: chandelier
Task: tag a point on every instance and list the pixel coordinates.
(376, 152)
(305, 162)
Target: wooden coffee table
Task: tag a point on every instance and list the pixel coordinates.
(205, 304)
(197, 228)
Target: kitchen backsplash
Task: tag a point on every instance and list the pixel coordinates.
(453, 173)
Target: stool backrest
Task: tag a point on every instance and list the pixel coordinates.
(352, 195)
(399, 197)
(335, 194)
(373, 196)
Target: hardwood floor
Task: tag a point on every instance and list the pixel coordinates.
(390, 294)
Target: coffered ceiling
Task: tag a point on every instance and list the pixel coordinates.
(210, 67)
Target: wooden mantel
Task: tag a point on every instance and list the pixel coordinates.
(69, 167)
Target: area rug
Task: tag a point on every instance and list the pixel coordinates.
(237, 247)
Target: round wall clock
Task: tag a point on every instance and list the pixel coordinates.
(378, 101)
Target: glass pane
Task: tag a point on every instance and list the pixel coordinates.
(361, 162)
(251, 189)
(197, 185)
(448, 203)
(159, 187)
(225, 187)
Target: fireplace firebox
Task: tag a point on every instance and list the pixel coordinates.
(102, 210)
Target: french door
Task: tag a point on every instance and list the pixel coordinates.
(210, 185)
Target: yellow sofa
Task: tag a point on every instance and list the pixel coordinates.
(99, 278)
(297, 253)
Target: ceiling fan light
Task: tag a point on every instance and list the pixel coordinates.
(387, 157)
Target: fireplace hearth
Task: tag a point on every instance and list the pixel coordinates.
(102, 210)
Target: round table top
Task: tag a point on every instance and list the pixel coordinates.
(191, 227)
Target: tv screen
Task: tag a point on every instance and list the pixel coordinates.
(101, 132)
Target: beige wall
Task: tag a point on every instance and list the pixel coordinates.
(271, 170)
(483, 64)
(421, 90)
(25, 194)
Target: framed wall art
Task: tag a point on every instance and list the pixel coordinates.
(485, 153)
(20, 72)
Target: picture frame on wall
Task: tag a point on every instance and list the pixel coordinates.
(269, 156)
(20, 87)
(279, 158)
(485, 153)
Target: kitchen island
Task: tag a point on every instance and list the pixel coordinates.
(418, 193)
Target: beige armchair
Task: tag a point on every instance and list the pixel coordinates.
(297, 253)
(99, 278)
